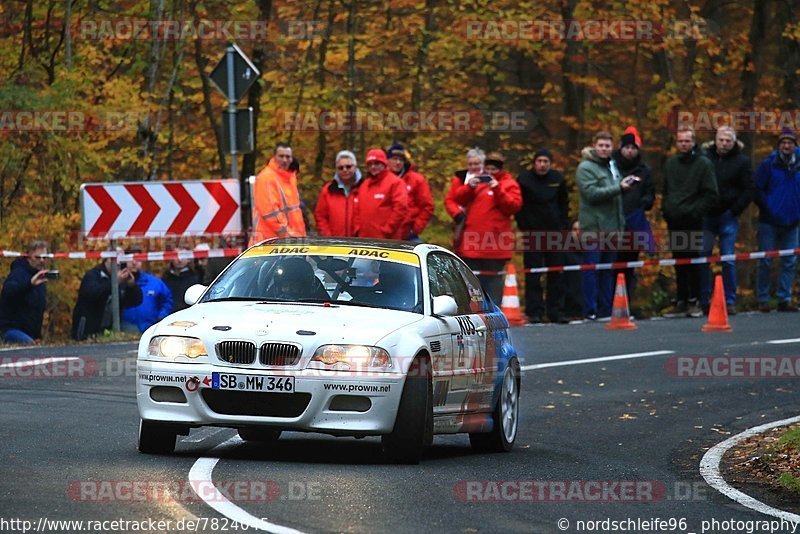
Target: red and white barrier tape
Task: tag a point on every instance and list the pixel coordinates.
(648, 263)
(140, 256)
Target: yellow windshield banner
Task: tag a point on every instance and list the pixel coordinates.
(315, 250)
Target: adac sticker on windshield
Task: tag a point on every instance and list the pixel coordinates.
(361, 252)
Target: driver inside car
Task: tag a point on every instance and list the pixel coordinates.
(294, 279)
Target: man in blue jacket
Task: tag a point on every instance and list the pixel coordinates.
(778, 199)
(23, 298)
(156, 301)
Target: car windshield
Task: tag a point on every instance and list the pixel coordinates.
(360, 277)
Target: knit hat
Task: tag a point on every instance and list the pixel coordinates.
(495, 158)
(787, 133)
(398, 150)
(630, 137)
(377, 154)
(543, 153)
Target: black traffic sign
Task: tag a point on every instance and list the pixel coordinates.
(245, 74)
(244, 131)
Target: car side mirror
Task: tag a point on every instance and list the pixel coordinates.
(193, 294)
(444, 305)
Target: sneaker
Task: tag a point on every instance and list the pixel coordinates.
(731, 309)
(535, 319)
(694, 310)
(787, 306)
(604, 319)
(678, 310)
(591, 317)
(764, 307)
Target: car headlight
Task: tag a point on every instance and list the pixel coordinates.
(351, 358)
(175, 347)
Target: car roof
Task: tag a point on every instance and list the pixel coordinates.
(388, 244)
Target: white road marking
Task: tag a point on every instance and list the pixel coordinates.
(200, 474)
(709, 468)
(37, 361)
(202, 434)
(783, 341)
(596, 360)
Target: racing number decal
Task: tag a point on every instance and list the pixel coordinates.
(466, 325)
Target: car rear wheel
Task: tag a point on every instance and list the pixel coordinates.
(413, 428)
(156, 438)
(249, 433)
(506, 416)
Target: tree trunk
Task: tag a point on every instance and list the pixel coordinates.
(202, 64)
(350, 137)
(574, 94)
(753, 66)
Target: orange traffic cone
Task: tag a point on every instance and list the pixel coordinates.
(510, 304)
(620, 316)
(718, 313)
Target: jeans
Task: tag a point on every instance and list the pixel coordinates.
(774, 237)
(726, 227)
(598, 286)
(13, 335)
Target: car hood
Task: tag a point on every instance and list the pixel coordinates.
(302, 323)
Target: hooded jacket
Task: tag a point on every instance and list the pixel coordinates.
(641, 195)
(335, 211)
(420, 202)
(93, 297)
(21, 303)
(778, 190)
(600, 194)
(382, 206)
(156, 302)
(690, 190)
(487, 231)
(276, 204)
(734, 174)
(545, 201)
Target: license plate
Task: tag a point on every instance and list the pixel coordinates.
(275, 384)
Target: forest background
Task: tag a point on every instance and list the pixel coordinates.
(493, 59)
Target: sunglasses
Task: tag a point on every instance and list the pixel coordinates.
(344, 167)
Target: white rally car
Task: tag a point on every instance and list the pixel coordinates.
(340, 336)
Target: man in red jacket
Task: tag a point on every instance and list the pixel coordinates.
(489, 240)
(382, 200)
(420, 201)
(338, 200)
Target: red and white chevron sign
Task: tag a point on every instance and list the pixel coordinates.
(157, 209)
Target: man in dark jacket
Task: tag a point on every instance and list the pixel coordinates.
(778, 199)
(734, 175)
(545, 208)
(92, 313)
(690, 192)
(179, 277)
(635, 202)
(24, 295)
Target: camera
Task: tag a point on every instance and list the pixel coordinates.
(485, 178)
(123, 265)
(51, 275)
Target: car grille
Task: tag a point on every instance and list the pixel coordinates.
(237, 351)
(279, 354)
(256, 404)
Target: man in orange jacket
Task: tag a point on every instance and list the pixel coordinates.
(276, 200)
(382, 200)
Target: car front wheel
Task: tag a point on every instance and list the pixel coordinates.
(505, 415)
(413, 427)
(156, 438)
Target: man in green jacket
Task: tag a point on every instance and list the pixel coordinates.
(690, 191)
(601, 187)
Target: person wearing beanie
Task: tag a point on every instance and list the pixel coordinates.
(336, 205)
(601, 188)
(778, 200)
(545, 208)
(490, 200)
(420, 201)
(635, 202)
(733, 173)
(690, 192)
(382, 200)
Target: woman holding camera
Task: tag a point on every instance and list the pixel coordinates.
(489, 201)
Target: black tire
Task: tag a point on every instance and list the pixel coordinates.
(264, 434)
(413, 427)
(156, 438)
(506, 416)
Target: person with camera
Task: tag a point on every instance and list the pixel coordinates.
(490, 201)
(92, 313)
(475, 159)
(24, 295)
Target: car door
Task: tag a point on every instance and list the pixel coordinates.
(461, 338)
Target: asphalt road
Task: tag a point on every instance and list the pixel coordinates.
(69, 445)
